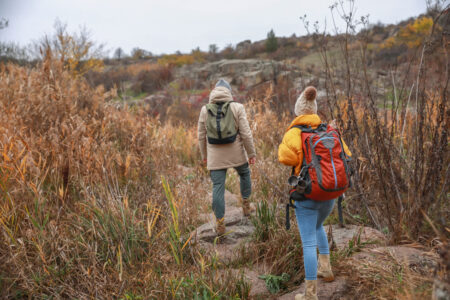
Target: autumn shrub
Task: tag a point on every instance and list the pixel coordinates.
(77, 51)
(136, 68)
(84, 213)
(411, 35)
(398, 137)
(148, 81)
(177, 60)
(109, 78)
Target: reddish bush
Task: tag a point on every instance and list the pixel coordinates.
(151, 80)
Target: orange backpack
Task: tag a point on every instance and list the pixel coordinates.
(325, 168)
(325, 174)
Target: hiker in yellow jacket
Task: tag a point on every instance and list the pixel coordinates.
(310, 214)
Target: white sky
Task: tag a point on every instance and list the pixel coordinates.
(165, 26)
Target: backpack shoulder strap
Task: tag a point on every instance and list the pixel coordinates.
(236, 120)
(211, 108)
(308, 129)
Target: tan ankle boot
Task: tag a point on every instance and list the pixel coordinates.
(324, 268)
(246, 208)
(310, 291)
(220, 226)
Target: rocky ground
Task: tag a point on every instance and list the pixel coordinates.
(375, 251)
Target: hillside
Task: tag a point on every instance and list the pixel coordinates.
(105, 196)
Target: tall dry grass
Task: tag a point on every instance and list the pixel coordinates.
(84, 211)
(397, 127)
(99, 202)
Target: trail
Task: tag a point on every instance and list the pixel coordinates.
(240, 230)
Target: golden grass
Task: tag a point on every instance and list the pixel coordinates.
(83, 211)
(99, 202)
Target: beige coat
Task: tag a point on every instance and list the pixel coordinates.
(228, 155)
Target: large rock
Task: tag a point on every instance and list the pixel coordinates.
(258, 285)
(238, 232)
(240, 72)
(343, 235)
(237, 227)
(226, 248)
(415, 259)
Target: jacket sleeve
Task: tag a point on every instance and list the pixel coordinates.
(202, 133)
(290, 150)
(245, 132)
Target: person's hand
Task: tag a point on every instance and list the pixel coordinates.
(252, 160)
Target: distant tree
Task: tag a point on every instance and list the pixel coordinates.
(271, 42)
(147, 54)
(77, 51)
(434, 6)
(213, 49)
(118, 54)
(138, 53)
(3, 23)
(11, 52)
(198, 54)
(228, 52)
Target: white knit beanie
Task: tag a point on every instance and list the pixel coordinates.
(306, 103)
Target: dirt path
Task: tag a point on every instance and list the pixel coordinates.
(239, 232)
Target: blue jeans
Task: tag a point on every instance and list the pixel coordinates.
(218, 196)
(310, 217)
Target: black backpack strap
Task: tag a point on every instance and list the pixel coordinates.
(218, 118)
(308, 129)
(341, 217)
(303, 128)
(288, 220)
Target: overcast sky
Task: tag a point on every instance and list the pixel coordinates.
(165, 26)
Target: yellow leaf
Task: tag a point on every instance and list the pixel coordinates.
(6, 157)
(125, 201)
(61, 192)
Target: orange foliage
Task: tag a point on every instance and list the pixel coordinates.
(177, 60)
(412, 35)
(134, 69)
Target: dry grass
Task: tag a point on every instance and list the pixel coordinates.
(96, 205)
(84, 213)
(387, 277)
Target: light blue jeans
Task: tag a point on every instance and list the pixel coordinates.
(310, 217)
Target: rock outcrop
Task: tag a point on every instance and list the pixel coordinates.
(239, 72)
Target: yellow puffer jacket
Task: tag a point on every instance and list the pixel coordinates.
(290, 150)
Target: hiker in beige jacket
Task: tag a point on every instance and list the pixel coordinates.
(236, 155)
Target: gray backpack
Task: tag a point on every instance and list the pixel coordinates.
(220, 123)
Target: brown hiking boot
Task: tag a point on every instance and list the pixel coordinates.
(324, 268)
(310, 291)
(220, 226)
(246, 208)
